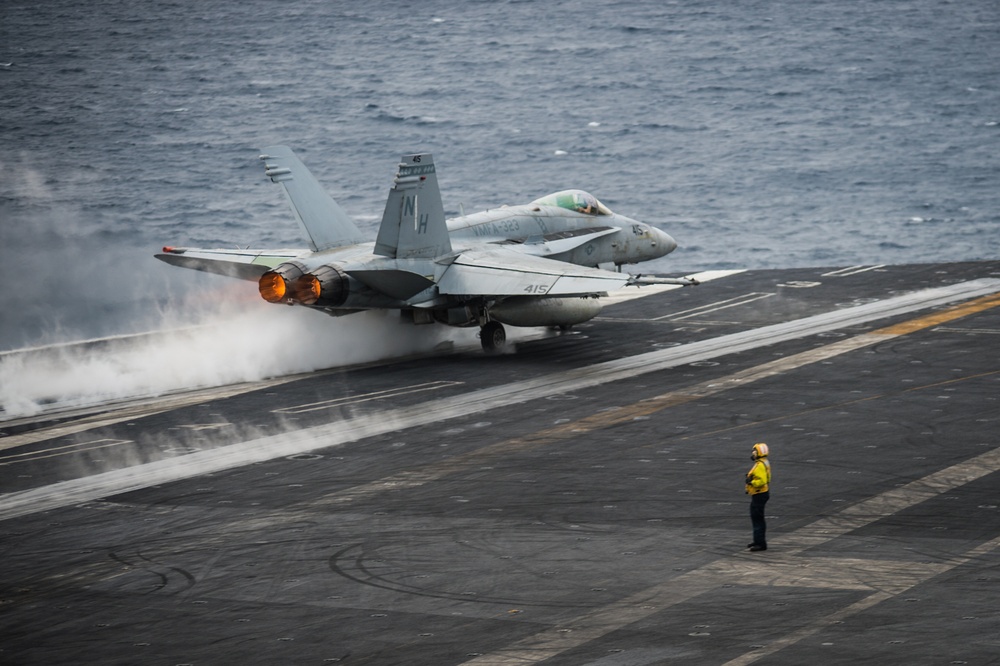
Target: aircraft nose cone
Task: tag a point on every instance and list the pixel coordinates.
(664, 241)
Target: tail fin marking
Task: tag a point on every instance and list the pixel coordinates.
(413, 224)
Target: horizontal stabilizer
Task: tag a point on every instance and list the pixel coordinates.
(242, 264)
(322, 220)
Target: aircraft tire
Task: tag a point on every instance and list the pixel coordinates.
(493, 337)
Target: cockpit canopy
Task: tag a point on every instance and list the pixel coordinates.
(577, 200)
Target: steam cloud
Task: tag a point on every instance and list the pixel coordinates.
(239, 343)
(74, 274)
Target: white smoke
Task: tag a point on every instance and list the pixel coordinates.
(242, 342)
(70, 274)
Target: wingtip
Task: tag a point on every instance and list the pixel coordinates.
(279, 150)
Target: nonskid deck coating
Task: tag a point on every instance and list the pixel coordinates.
(601, 524)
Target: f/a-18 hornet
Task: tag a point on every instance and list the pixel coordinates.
(527, 265)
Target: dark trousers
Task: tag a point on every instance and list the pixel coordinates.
(757, 503)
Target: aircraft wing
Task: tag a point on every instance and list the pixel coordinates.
(242, 264)
(499, 272)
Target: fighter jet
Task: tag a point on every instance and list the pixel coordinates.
(526, 265)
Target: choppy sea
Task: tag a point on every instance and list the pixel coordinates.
(759, 133)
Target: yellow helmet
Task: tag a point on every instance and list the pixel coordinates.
(759, 450)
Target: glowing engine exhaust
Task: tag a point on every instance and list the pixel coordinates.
(291, 283)
(275, 285)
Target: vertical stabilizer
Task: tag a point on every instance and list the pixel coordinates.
(324, 222)
(413, 224)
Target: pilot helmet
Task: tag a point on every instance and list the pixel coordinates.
(759, 451)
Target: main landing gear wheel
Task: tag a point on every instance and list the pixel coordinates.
(493, 337)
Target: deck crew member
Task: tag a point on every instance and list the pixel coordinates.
(758, 482)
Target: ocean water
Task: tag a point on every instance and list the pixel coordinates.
(758, 133)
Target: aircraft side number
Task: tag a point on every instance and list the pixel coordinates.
(536, 289)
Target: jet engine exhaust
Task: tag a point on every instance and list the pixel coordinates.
(272, 287)
(292, 282)
(306, 290)
(275, 285)
(326, 286)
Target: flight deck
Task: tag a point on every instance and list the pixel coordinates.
(575, 500)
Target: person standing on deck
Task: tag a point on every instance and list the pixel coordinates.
(758, 483)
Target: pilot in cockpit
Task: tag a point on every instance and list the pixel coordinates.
(575, 200)
(586, 203)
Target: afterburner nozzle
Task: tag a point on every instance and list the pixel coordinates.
(274, 284)
(293, 282)
(272, 287)
(306, 290)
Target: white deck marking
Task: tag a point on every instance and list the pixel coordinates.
(30, 456)
(715, 307)
(863, 604)
(364, 397)
(139, 409)
(352, 429)
(852, 270)
(955, 329)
